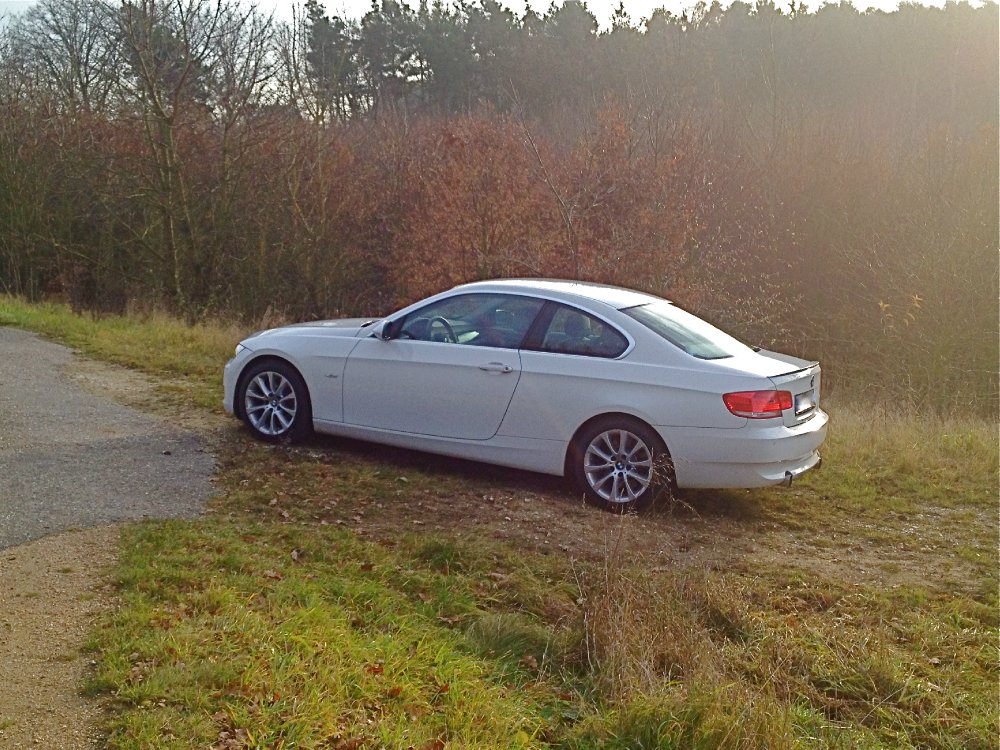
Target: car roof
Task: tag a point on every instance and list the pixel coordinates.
(617, 297)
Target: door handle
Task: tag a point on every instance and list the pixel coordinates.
(496, 367)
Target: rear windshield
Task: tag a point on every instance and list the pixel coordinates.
(686, 331)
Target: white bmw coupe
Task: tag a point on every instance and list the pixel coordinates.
(617, 389)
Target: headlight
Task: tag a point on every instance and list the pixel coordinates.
(239, 348)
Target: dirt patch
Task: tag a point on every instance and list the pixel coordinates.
(142, 392)
(738, 530)
(51, 592)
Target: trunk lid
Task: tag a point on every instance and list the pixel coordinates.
(802, 379)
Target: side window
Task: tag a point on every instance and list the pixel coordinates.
(497, 320)
(576, 332)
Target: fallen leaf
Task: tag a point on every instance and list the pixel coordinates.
(273, 575)
(375, 669)
(232, 740)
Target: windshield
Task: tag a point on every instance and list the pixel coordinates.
(689, 333)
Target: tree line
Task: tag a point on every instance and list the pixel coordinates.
(821, 181)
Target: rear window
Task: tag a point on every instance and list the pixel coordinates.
(573, 331)
(687, 332)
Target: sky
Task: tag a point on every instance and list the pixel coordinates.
(602, 9)
(9, 8)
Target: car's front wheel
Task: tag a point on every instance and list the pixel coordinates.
(620, 464)
(275, 402)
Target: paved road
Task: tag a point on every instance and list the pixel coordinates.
(72, 459)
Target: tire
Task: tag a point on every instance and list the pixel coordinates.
(620, 464)
(274, 402)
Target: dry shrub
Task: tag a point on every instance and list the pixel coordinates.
(640, 630)
(473, 208)
(486, 196)
(661, 650)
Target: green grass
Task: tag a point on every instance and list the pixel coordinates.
(341, 596)
(223, 629)
(301, 635)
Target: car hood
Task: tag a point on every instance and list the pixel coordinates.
(347, 327)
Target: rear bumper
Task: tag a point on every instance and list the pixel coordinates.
(752, 456)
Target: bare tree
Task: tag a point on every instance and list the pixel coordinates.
(168, 46)
(73, 47)
(244, 65)
(318, 66)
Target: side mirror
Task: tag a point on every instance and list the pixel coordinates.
(388, 330)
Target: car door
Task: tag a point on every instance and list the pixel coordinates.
(451, 371)
(570, 371)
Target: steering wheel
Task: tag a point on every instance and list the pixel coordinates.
(449, 332)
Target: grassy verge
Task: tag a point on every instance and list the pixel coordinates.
(344, 597)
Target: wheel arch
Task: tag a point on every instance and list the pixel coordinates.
(574, 442)
(241, 381)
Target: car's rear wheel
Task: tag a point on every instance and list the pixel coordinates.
(275, 402)
(620, 464)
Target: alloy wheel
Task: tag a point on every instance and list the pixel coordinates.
(270, 403)
(618, 466)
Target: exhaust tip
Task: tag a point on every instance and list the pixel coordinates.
(788, 479)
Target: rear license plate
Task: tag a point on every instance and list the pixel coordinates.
(805, 402)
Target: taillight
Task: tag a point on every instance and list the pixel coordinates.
(758, 404)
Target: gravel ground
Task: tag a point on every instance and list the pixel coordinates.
(51, 590)
(74, 462)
